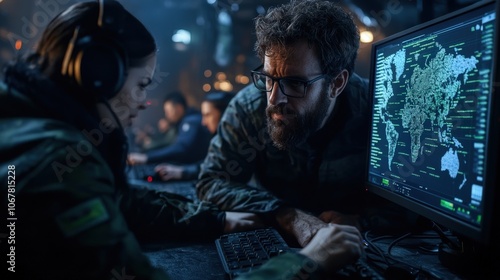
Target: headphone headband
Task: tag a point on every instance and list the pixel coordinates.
(96, 63)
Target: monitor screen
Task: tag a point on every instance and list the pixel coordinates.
(432, 127)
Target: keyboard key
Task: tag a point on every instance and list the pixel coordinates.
(242, 251)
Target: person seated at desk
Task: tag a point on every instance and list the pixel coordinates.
(212, 107)
(64, 149)
(191, 142)
(148, 138)
(293, 146)
(64, 152)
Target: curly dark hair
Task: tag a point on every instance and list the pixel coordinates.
(324, 25)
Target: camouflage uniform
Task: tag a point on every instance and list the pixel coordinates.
(243, 171)
(73, 220)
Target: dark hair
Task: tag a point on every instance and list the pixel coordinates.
(176, 97)
(324, 25)
(135, 40)
(219, 100)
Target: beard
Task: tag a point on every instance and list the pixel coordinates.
(294, 128)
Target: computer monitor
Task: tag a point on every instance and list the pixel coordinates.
(435, 144)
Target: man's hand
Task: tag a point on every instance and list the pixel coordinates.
(137, 158)
(169, 172)
(334, 246)
(337, 218)
(299, 224)
(241, 221)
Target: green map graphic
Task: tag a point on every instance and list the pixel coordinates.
(431, 90)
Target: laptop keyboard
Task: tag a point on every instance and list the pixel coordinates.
(243, 251)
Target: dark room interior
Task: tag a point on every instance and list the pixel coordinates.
(155, 143)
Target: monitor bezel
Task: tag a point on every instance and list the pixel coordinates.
(488, 229)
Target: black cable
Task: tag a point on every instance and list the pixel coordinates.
(122, 130)
(372, 246)
(444, 238)
(117, 120)
(385, 257)
(397, 259)
(381, 237)
(395, 241)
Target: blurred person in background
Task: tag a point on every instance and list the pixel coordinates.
(212, 107)
(148, 138)
(64, 109)
(192, 139)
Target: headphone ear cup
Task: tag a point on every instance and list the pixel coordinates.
(98, 66)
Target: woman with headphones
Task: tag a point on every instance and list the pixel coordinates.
(69, 211)
(63, 153)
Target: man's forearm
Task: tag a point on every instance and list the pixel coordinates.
(298, 223)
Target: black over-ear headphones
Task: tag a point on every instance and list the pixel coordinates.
(95, 62)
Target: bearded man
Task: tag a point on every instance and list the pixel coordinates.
(292, 146)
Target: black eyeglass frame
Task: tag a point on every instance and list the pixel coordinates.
(274, 80)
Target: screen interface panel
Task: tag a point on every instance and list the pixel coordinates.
(430, 115)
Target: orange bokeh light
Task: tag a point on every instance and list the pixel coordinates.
(18, 45)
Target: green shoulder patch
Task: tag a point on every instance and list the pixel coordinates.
(82, 217)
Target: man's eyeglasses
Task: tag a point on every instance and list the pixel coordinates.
(291, 87)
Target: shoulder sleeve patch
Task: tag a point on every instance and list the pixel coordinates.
(82, 217)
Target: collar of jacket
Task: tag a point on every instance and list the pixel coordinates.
(48, 100)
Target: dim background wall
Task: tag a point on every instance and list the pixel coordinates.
(219, 55)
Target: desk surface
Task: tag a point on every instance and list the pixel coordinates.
(191, 261)
(182, 260)
(187, 261)
(199, 260)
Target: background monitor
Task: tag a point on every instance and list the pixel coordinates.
(434, 144)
